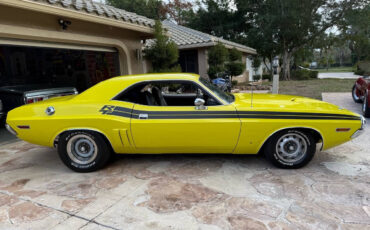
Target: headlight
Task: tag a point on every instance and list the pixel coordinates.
(11, 130)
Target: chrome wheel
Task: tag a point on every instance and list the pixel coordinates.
(354, 94)
(82, 149)
(291, 148)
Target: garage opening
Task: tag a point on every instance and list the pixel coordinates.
(56, 65)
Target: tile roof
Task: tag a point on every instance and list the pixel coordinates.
(184, 37)
(99, 9)
(188, 38)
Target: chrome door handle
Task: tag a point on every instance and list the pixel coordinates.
(143, 116)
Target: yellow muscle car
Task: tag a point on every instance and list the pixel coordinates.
(181, 113)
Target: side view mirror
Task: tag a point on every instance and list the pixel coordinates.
(199, 104)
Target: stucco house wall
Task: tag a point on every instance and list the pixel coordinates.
(20, 23)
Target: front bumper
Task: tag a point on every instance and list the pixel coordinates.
(11, 130)
(361, 130)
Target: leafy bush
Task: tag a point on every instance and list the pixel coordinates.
(234, 82)
(300, 74)
(360, 72)
(163, 53)
(364, 66)
(267, 77)
(217, 56)
(235, 68)
(256, 77)
(306, 65)
(214, 70)
(314, 74)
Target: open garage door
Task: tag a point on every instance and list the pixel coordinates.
(55, 64)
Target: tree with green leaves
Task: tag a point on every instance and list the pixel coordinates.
(216, 17)
(235, 65)
(355, 30)
(218, 55)
(163, 53)
(148, 8)
(178, 11)
(289, 25)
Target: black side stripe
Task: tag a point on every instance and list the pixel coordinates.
(295, 113)
(125, 112)
(236, 116)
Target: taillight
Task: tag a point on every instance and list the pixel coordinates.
(33, 100)
(29, 101)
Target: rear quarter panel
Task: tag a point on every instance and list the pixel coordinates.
(69, 116)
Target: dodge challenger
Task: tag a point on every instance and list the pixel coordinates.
(181, 113)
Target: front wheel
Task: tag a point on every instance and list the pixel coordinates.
(290, 149)
(355, 96)
(83, 151)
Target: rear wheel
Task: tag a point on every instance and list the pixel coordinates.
(365, 106)
(83, 151)
(355, 96)
(290, 149)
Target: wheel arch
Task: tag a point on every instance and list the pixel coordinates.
(316, 135)
(56, 138)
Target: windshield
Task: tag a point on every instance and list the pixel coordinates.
(228, 97)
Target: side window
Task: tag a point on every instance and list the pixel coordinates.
(166, 93)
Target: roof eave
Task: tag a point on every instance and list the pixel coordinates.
(245, 50)
(55, 10)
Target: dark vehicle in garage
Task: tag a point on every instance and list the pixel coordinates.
(30, 74)
(361, 94)
(15, 96)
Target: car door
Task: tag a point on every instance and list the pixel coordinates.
(185, 129)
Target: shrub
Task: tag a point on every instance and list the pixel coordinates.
(217, 56)
(235, 68)
(306, 65)
(256, 77)
(364, 66)
(234, 82)
(267, 77)
(163, 53)
(360, 72)
(314, 74)
(300, 74)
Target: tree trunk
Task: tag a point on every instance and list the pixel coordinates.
(327, 64)
(271, 68)
(286, 64)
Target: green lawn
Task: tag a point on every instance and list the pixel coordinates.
(336, 70)
(314, 88)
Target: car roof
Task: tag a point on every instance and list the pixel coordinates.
(107, 89)
(156, 76)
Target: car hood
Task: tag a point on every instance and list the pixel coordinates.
(285, 103)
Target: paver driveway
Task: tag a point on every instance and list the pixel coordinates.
(186, 191)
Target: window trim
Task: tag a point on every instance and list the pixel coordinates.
(221, 103)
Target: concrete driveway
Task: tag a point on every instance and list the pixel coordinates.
(347, 75)
(207, 192)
